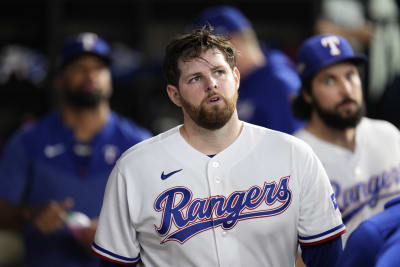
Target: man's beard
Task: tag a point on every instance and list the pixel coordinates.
(212, 118)
(82, 99)
(335, 120)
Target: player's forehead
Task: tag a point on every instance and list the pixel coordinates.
(208, 59)
(337, 69)
(87, 60)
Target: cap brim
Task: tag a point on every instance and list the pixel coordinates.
(356, 59)
(72, 58)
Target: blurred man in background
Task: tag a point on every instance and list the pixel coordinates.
(53, 173)
(268, 78)
(360, 155)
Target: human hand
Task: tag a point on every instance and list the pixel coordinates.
(50, 218)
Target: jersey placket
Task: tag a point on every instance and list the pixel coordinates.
(219, 186)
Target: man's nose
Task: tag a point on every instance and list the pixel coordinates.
(211, 83)
(347, 87)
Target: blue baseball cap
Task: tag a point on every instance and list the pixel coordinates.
(85, 43)
(224, 20)
(324, 50)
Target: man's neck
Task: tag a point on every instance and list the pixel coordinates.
(86, 123)
(253, 60)
(344, 138)
(211, 142)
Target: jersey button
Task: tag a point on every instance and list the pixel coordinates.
(215, 164)
(224, 233)
(217, 180)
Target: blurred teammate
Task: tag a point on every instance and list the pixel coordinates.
(268, 78)
(376, 241)
(360, 155)
(60, 164)
(216, 191)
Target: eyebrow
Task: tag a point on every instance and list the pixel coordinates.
(328, 74)
(334, 75)
(192, 75)
(199, 73)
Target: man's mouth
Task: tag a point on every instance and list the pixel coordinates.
(214, 99)
(347, 103)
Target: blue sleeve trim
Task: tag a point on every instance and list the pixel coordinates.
(322, 234)
(113, 255)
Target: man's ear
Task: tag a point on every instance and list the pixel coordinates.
(306, 95)
(57, 81)
(173, 94)
(236, 75)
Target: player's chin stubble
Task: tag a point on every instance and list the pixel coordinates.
(211, 118)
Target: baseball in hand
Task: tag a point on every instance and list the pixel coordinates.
(76, 220)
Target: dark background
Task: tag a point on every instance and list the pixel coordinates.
(143, 26)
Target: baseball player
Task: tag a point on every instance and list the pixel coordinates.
(59, 166)
(376, 241)
(360, 155)
(216, 191)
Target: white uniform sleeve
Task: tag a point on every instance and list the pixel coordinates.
(320, 219)
(115, 238)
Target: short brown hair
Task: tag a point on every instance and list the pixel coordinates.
(189, 46)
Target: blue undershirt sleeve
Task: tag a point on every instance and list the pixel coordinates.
(324, 255)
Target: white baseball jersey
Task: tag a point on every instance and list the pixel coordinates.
(167, 204)
(363, 180)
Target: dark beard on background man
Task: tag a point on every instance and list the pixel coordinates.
(335, 120)
(81, 99)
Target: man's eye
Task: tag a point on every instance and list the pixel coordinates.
(194, 79)
(219, 72)
(350, 75)
(329, 81)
